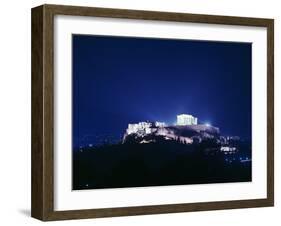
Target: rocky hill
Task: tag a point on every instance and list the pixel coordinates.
(149, 133)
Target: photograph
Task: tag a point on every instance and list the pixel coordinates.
(160, 112)
(137, 112)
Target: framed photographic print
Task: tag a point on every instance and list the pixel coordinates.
(141, 112)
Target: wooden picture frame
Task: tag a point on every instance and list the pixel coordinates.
(43, 108)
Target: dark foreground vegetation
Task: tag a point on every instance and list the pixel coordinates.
(156, 164)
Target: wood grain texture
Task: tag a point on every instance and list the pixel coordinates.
(42, 203)
(37, 159)
(270, 111)
(43, 107)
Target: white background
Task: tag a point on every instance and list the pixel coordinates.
(15, 112)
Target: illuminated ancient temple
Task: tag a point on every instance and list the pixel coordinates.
(186, 120)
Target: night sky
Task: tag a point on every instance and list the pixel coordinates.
(119, 80)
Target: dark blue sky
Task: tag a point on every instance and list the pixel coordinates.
(118, 80)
